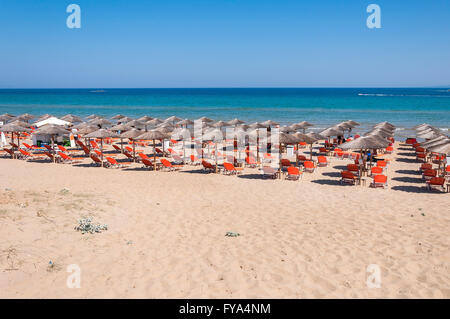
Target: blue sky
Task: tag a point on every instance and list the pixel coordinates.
(224, 43)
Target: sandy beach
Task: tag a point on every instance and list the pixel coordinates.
(312, 238)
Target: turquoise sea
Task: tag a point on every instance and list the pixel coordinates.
(321, 106)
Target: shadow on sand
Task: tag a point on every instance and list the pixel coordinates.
(407, 179)
(327, 182)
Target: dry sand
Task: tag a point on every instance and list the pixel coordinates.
(166, 239)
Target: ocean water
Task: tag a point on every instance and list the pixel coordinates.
(321, 106)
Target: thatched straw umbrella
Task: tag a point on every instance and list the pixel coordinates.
(365, 143)
(235, 122)
(145, 118)
(299, 137)
(153, 135)
(204, 119)
(436, 141)
(80, 125)
(429, 134)
(131, 134)
(85, 130)
(44, 117)
(441, 149)
(183, 133)
(5, 118)
(256, 126)
(25, 117)
(311, 139)
(185, 122)
(117, 117)
(120, 128)
(102, 134)
(282, 138)
(172, 119)
(303, 125)
(52, 130)
(100, 121)
(136, 124)
(385, 125)
(215, 136)
(72, 118)
(220, 124)
(14, 129)
(93, 116)
(154, 122)
(20, 123)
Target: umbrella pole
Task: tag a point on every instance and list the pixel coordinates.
(296, 156)
(310, 151)
(134, 156)
(257, 146)
(279, 160)
(53, 148)
(216, 157)
(184, 152)
(101, 149)
(121, 144)
(154, 156)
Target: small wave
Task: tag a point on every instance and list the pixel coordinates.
(402, 95)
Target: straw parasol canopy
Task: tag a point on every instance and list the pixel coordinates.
(25, 117)
(102, 134)
(154, 122)
(429, 134)
(93, 116)
(353, 123)
(220, 124)
(365, 142)
(215, 136)
(131, 134)
(204, 119)
(385, 125)
(420, 125)
(282, 138)
(119, 127)
(172, 119)
(20, 123)
(235, 122)
(441, 149)
(80, 125)
(145, 118)
(52, 130)
(44, 117)
(117, 117)
(436, 141)
(331, 131)
(270, 123)
(5, 118)
(185, 134)
(72, 118)
(257, 125)
(310, 138)
(87, 129)
(100, 121)
(14, 128)
(185, 122)
(135, 123)
(153, 135)
(379, 132)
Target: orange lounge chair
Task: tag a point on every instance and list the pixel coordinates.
(309, 166)
(323, 151)
(447, 171)
(421, 157)
(382, 164)
(376, 170)
(269, 172)
(354, 168)
(293, 173)
(9, 151)
(169, 166)
(250, 161)
(229, 169)
(389, 149)
(94, 144)
(117, 148)
(425, 166)
(429, 174)
(114, 164)
(301, 158)
(285, 163)
(95, 160)
(27, 155)
(436, 183)
(68, 159)
(208, 167)
(348, 177)
(50, 156)
(322, 161)
(379, 181)
(194, 160)
(147, 163)
(411, 141)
